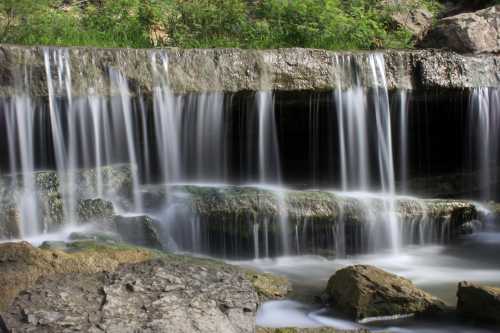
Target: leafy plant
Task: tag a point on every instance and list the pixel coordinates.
(328, 24)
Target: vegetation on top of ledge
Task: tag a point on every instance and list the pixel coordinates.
(326, 24)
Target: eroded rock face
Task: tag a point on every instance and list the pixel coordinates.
(363, 291)
(233, 70)
(476, 32)
(22, 264)
(481, 303)
(157, 296)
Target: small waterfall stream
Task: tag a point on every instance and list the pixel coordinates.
(485, 122)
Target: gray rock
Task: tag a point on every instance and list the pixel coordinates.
(138, 230)
(481, 303)
(232, 70)
(363, 291)
(409, 14)
(477, 32)
(470, 227)
(171, 296)
(103, 237)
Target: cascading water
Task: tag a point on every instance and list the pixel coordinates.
(214, 137)
(122, 114)
(485, 121)
(19, 113)
(166, 120)
(269, 161)
(402, 100)
(64, 148)
(211, 167)
(353, 118)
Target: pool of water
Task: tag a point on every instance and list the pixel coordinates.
(436, 269)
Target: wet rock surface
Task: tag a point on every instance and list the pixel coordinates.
(138, 230)
(245, 222)
(481, 303)
(307, 330)
(233, 70)
(363, 291)
(156, 296)
(476, 32)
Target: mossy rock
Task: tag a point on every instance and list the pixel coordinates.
(269, 286)
(363, 291)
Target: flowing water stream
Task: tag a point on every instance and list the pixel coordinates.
(245, 152)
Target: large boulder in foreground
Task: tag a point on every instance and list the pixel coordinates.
(171, 295)
(478, 302)
(363, 291)
(476, 32)
(22, 264)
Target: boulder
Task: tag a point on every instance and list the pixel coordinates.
(476, 32)
(138, 230)
(363, 291)
(481, 303)
(409, 14)
(22, 264)
(171, 295)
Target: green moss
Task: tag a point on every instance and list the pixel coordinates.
(104, 247)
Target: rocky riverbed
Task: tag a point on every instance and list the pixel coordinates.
(101, 287)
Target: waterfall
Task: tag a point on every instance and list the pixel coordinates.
(485, 122)
(269, 170)
(64, 147)
(384, 146)
(20, 117)
(165, 139)
(166, 119)
(402, 96)
(123, 114)
(354, 121)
